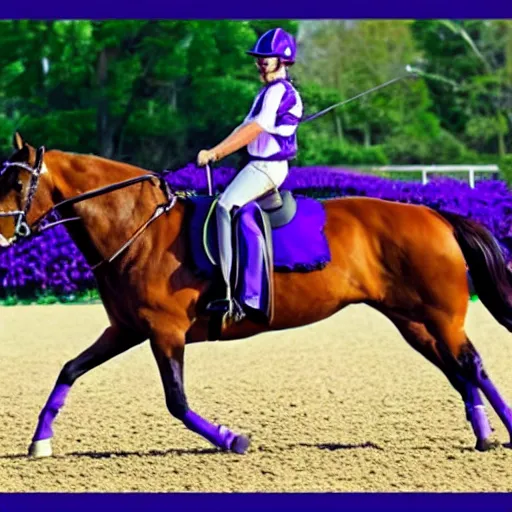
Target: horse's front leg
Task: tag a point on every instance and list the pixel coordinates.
(111, 343)
(168, 350)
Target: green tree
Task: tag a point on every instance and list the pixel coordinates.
(143, 91)
(350, 57)
(476, 55)
(155, 92)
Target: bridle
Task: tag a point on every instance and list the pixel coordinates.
(23, 230)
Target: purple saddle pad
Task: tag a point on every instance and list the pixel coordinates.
(298, 246)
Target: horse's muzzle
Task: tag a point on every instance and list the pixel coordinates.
(4, 242)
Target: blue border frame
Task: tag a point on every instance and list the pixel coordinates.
(261, 502)
(261, 9)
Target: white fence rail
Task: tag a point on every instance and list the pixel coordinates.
(426, 169)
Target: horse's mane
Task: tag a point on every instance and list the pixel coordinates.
(87, 158)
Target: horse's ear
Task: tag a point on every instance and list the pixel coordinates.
(18, 141)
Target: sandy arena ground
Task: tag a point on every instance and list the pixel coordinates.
(343, 405)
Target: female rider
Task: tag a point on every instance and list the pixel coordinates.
(269, 132)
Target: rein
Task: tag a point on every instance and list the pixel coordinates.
(23, 230)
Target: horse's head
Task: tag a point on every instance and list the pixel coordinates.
(19, 180)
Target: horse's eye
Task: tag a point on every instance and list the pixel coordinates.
(18, 186)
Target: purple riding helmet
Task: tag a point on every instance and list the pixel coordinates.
(275, 43)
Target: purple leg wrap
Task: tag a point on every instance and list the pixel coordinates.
(218, 435)
(476, 413)
(498, 403)
(50, 410)
(495, 399)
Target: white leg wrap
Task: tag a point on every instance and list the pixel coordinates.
(42, 448)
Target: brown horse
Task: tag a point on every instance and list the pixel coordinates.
(406, 261)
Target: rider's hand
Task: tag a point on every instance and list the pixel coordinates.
(205, 156)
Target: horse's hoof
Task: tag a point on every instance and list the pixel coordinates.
(240, 444)
(483, 445)
(39, 449)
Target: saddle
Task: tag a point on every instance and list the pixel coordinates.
(279, 208)
(275, 233)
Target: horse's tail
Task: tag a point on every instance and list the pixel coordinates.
(491, 278)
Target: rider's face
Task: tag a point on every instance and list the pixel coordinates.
(266, 66)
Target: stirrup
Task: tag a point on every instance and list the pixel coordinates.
(229, 308)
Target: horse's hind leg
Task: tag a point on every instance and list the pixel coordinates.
(111, 343)
(473, 369)
(461, 355)
(425, 343)
(168, 350)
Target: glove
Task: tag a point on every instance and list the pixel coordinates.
(205, 156)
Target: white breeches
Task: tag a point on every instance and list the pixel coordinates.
(252, 182)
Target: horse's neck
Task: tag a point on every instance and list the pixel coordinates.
(108, 220)
(74, 173)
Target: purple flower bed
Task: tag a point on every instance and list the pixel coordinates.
(46, 264)
(51, 263)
